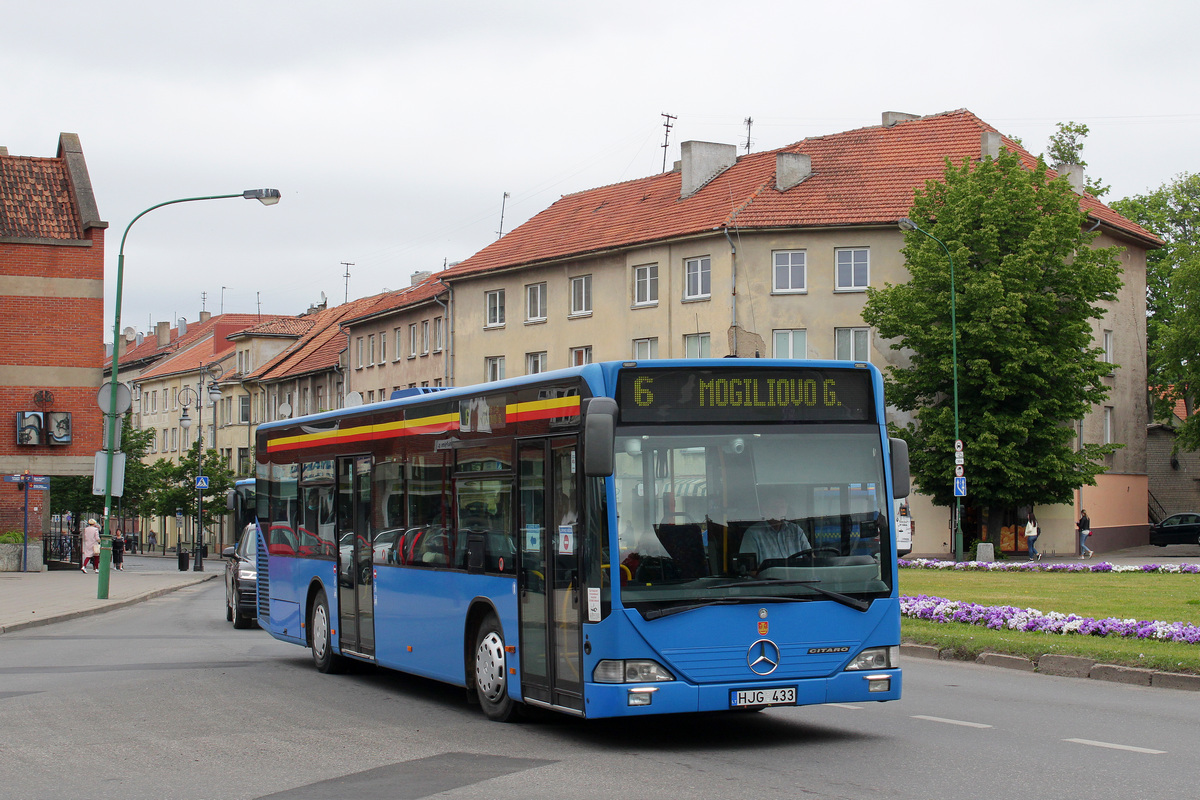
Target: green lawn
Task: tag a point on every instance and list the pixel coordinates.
(1169, 598)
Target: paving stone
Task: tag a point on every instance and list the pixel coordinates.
(1069, 666)
(1006, 661)
(1118, 674)
(1175, 680)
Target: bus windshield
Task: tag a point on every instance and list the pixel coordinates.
(753, 513)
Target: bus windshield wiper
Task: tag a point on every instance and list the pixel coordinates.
(656, 613)
(844, 599)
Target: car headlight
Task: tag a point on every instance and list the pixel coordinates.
(876, 658)
(633, 670)
(247, 574)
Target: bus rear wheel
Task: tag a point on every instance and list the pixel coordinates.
(491, 672)
(321, 639)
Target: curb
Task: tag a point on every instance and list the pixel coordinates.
(37, 623)
(1065, 666)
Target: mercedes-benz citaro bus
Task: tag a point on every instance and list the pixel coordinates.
(615, 539)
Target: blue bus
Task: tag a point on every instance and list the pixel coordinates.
(615, 539)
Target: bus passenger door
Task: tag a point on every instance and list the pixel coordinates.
(356, 623)
(549, 573)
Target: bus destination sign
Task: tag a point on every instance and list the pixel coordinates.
(745, 395)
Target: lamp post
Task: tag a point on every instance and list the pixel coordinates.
(214, 394)
(907, 224)
(267, 197)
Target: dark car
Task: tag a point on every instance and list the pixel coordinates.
(241, 580)
(1176, 529)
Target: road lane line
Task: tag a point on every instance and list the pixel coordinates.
(951, 721)
(1112, 746)
(845, 705)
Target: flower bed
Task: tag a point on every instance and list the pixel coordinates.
(1037, 566)
(939, 609)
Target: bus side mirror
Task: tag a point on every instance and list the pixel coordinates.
(599, 436)
(231, 500)
(900, 474)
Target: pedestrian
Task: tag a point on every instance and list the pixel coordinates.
(90, 551)
(118, 550)
(153, 538)
(1085, 530)
(1031, 535)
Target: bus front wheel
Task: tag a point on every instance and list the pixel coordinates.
(320, 630)
(491, 672)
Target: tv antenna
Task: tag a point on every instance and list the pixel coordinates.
(667, 118)
(500, 233)
(748, 121)
(347, 265)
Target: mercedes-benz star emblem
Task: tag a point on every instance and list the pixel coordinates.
(763, 657)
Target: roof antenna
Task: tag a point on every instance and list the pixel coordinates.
(347, 265)
(666, 137)
(500, 233)
(748, 121)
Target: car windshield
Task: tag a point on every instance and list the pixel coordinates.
(713, 516)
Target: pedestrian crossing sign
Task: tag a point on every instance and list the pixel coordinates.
(201, 481)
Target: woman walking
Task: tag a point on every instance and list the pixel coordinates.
(91, 547)
(118, 550)
(1085, 530)
(1031, 535)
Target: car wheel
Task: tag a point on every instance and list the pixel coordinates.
(241, 620)
(321, 640)
(490, 678)
(228, 610)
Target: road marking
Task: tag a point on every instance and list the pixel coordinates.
(952, 721)
(1112, 746)
(845, 705)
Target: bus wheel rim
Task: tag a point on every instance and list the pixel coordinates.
(320, 631)
(489, 667)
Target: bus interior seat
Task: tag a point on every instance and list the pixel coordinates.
(685, 546)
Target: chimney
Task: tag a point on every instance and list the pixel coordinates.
(1074, 175)
(890, 118)
(703, 161)
(3, 150)
(791, 169)
(205, 316)
(989, 144)
(420, 277)
(162, 331)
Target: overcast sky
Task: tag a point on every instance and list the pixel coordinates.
(393, 128)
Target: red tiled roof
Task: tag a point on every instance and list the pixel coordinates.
(214, 329)
(860, 177)
(318, 349)
(36, 200)
(400, 298)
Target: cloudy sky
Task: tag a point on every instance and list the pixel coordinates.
(394, 128)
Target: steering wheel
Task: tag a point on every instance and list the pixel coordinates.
(811, 551)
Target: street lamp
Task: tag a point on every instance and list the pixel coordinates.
(214, 372)
(267, 197)
(907, 224)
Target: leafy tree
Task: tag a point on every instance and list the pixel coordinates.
(174, 485)
(74, 494)
(1172, 212)
(1066, 147)
(1027, 287)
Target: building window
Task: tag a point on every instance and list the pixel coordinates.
(383, 347)
(535, 302)
(495, 308)
(697, 273)
(398, 344)
(154, 440)
(852, 344)
(371, 350)
(697, 345)
(645, 348)
(1108, 351)
(790, 275)
(494, 368)
(791, 343)
(535, 363)
(424, 337)
(437, 334)
(359, 350)
(244, 409)
(645, 285)
(853, 269)
(412, 340)
(581, 295)
(1108, 424)
(581, 356)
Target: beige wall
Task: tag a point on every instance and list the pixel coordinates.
(405, 363)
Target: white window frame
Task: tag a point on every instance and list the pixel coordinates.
(1108, 425)
(645, 285)
(437, 334)
(697, 345)
(398, 345)
(412, 340)
(644, 349)
(535, 362)
(493, 368)
(789, 261)
(494, 308)
(784, 342)
(854, 342)
(697, 278)
(360, 351)
(424, 337)
(581, 355)
(1109, 358)
(840, 255)
(581, 295)
(383, 347)
(371, 350)
(535, 302)
(244, 409)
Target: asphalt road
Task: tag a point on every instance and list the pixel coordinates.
(165, 700)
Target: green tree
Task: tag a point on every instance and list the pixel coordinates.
(74, 494)
(1027, 289)
(174, 485)
(1066, 147)
(1172, 212)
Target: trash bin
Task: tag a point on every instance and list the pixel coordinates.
(183, 559)
(203, 551)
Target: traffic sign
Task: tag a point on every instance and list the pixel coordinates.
(39, 483)
(201, 481)
(958, 445)
(959, 458)
(959, 471)
(960, 487)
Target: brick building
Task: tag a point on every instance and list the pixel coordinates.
(51, 324)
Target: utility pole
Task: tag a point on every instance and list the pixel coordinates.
(500, 233)
(666, 137)
(347, 265)
(748, 121)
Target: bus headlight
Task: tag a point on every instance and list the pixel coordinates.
(876, 658)
(634, 670)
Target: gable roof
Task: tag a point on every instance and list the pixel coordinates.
(47, 198)
(203, 343)
(319, 348)
(859, 177)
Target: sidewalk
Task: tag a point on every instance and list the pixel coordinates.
(29, 599)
